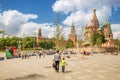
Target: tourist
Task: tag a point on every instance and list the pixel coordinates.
(63, 63)
(40, 54)
(84, 52)
(57, 59)
(37, 54)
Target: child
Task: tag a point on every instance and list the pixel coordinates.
(63, 63)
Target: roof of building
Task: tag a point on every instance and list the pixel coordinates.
(94, 18)
(90, 24)
(106, 23)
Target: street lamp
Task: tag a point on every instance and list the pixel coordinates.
(19, 44)
(34, 33)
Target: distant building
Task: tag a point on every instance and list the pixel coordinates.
(108, 34)
(73, 35)
(93, 26)
(39, 37)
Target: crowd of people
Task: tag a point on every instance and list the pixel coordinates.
(37, 53)
(57, 60)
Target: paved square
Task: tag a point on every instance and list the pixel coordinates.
(96, 67)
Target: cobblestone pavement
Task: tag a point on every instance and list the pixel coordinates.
(96, 67)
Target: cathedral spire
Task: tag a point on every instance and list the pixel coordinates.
(72, 35)
(73, 28)
(94, 19)
(94, 12)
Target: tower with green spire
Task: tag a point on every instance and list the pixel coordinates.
(108, 34)
(107, 30)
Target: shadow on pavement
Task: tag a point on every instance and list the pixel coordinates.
(29, 77)
(48, 67)
(68, 71)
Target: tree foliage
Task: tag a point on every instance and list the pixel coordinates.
(46, 44)
(4, 42)
(97, 39)
(58, 33)
(28, 42)
(117, 42)
(58, 29)
(69, 44)
(80, 42)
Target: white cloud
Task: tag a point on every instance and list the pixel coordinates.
(19, 24)
(63, 5)
(116, 30)
(28, 29)
(11, 20)
(80, 11)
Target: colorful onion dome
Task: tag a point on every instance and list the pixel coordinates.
(90, 24)
(106, 23)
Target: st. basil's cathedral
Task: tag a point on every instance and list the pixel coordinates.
(92, 27)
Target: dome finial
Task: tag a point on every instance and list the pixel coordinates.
(94, 9)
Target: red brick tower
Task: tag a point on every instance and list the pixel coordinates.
(73, 35)
(39, 33)
(39, 37)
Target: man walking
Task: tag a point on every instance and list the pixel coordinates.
(57, 58)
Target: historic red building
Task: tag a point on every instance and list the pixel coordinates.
(73, 35)
(93, 26)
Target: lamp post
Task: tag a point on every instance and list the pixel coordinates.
(19, 44)
(34, 39)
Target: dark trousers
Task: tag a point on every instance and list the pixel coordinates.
(57, 65)
(63, 69)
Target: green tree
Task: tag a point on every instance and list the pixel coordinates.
(8, 42)
(27, 42)
(80, 42)
(69, 44)
(46, 44)
(97, 39)
(14, 41)
(2, 43)
(117, 43)
(58, 31)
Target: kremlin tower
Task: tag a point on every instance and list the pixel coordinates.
(73, 35)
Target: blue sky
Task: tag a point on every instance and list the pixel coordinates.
(42, 8)
(115, 18)
(24, 16)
